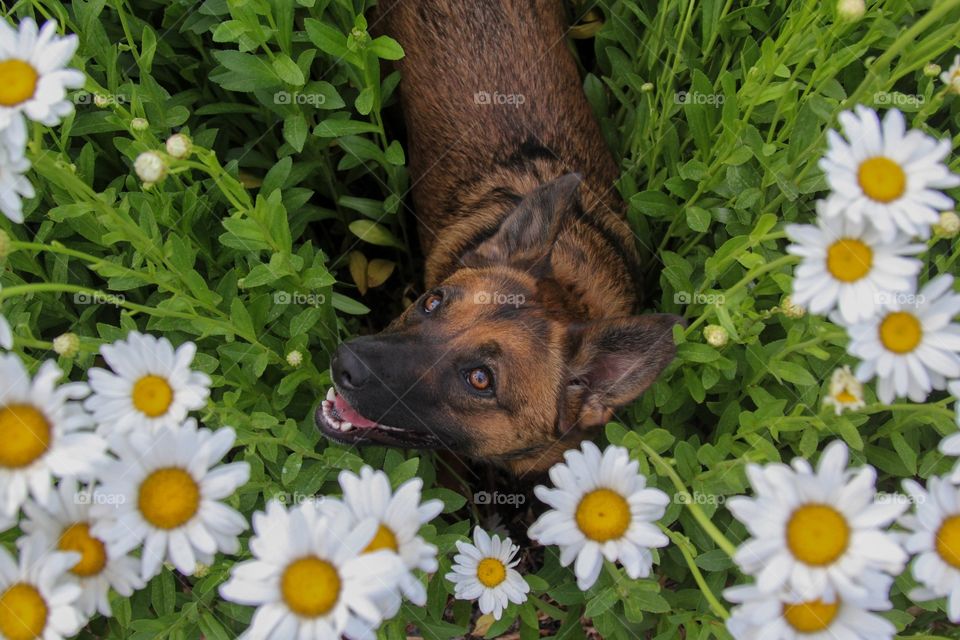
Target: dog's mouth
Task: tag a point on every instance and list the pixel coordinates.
(339, 421)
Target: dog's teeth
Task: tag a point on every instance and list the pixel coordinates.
(326, 405)
(346, 426)
(331, 394)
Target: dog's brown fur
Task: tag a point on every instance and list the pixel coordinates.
(516, 202)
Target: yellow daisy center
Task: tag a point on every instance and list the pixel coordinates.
(491, 572)
(603, 515)
(168, 498)
(849, 260)
(23, 613)
(817, 534)
(310, 586)
(845, 397)
(384, 539)
(18, 82)
(900, 332)
(810, 617)
(25, 435)
(948, 541)
(93, 554)
(882, 179)
(152, 395)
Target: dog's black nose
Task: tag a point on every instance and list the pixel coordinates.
(349, 371)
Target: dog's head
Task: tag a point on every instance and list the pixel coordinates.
(491, 363)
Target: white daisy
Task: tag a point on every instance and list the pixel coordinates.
(886, 175)
(781, 616)
(601, 508)
(64, 522)
(846, 392)
(33, 77)
(485, 571)
(816, 533)
(14, 185)
(910, 348)
(37, 595)
(165, 491)
(934, 540)
(950, 445)
(42, 433)
(151, 385)
(847, 265)
(951, 77)
(6, 333)
(309, 576)
(399, 516)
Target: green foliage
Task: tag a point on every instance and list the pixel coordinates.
(244, 250)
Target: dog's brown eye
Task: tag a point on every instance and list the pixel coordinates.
(479, 378)
(431, 302)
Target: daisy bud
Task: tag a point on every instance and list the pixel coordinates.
(946, 227)
(4, 244)
(646, 87)
(179, 146)
(150, 167)
(791, 310)
(851, 9)
(715, 335)
(67, 345)
(846, 392)
(139, 124)
(931, 70)
(295, 358)
(102, 102)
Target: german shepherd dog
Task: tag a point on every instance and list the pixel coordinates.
(527, 338)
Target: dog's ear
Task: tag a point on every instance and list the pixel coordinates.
(613, 362)
(526, 235)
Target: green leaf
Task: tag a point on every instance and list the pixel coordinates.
(386, 48)
(375, 233)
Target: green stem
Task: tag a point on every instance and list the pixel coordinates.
(681, 543)
(711, 529)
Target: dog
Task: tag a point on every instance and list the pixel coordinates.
(528, 338)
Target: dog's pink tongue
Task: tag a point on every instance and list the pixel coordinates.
(348, 413)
